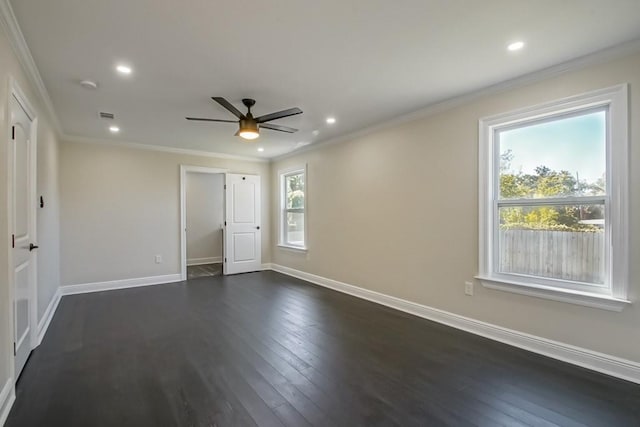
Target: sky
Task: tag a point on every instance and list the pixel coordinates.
(576, 144)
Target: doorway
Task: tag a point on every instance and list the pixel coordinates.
(239, 228)
(203, 217)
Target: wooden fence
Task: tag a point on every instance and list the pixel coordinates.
(577, 256)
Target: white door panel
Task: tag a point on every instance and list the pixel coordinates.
(244, 202)
(244, 247)
(242, 235)
(22, 178)
(21, 302)
(21, 183)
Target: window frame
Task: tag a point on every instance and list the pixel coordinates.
(282, 177)
(612, 295)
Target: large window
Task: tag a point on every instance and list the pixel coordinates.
(554, 200)
(292, 199)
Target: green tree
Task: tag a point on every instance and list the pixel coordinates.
(555, 184)
(511, 187)
(545, 183)
(295, 191)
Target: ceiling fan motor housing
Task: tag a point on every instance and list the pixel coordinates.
(248, 124)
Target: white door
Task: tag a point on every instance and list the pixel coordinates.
(23, 231)
(242, 234)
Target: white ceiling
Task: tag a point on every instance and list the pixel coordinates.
(362, 61)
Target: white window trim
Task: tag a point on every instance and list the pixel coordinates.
(614, 297)
(282, 174)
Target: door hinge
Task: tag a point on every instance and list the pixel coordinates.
(13, 240)
(14, 349)
(225, 223)
(225, 186)
(13, 132)
(225, 260)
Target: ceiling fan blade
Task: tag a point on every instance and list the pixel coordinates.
(226, 104)
(278, 128)
(279, 115)
(210, 120)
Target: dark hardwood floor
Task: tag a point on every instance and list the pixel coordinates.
(266, 349)
(204, 270)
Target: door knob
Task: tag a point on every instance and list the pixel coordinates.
(258, 228)
(32, 247)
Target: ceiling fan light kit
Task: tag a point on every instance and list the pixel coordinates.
(249, 127)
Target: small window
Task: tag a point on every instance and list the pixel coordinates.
(293, 203)
(553, 197)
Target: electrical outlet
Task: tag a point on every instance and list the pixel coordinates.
(468, 288)
(158, 259)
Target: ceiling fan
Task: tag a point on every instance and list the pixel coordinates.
(249, 125)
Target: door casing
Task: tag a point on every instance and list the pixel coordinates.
(16, 92)
(184, 169)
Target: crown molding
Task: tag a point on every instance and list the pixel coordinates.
(161, 148)
(601, 56)
(19, 45)
(21, 49)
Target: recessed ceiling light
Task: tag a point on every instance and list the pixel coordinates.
(515, 46)
(124, 69)
(114, 129)
(331, 120)
(260, 149)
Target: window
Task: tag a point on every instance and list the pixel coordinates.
(293, 203)
(553, 200)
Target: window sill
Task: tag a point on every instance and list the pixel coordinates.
(586, 299)
(301, 249)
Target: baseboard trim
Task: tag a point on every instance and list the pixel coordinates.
(600, 362)
(118, 284)
(43, 325)
(202, 261)
(7, 397)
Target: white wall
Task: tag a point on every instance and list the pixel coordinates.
(396, 211)
(204, 205)
(47, 218)
(121, 206)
